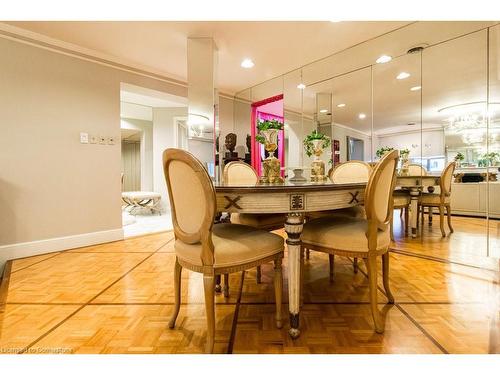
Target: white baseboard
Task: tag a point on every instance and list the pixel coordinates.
(50, 245)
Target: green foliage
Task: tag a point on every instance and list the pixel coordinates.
(315, 135)
(381, 151)
(263, 125)
(459, 157)
(492, 157)
(404, 151)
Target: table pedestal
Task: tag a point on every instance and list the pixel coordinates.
(293, 227)
(414, 194)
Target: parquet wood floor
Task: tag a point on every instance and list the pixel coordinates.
(118, 297)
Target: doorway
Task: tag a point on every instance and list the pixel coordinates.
(355, 149)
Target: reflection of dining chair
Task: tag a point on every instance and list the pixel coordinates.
(416, 170)
(352, 171)
(440, 200)
(240, 173)
(362, 238)
(208, 248)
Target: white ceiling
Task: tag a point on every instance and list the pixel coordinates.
(150, 98)
(161, 47)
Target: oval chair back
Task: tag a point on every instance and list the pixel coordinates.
(351, 172)
(416, 170)
(446, 178)
(192, 200)
(378, 196)
(239, 173)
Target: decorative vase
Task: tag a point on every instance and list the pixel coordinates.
(271, 166)
(405, 165)
(318, 165)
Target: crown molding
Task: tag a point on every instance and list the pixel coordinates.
(69, 49)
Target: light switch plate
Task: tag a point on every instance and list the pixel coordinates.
(94, 139)
(84, 137)
(102, 140)
(111, 140)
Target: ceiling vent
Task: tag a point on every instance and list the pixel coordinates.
(418, 48)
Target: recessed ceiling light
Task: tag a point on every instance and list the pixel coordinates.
(383, 59)
(301, 86)
(341, 105)
(323, 110)
(362, 116)
(403, 75)
(415, 88)
(247, 64)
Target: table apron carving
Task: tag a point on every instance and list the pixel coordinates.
(261, 203)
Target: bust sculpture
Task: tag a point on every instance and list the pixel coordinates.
(230, 142)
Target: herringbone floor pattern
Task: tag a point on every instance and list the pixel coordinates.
(118, 297)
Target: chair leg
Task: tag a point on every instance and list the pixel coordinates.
(385, 277)
(407, 219)
(209, 284)
(430, 215)
(401, 213)
(308, 253)
(177, 291)
(391, 228)
(259, 275)
(278, 291)
(371, 264)
(422, 223)
(448, 211)
(226, 285)
(441, 220)
(355, 265)
(331, 261)
(301, 291)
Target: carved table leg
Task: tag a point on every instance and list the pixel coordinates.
(293, 227)
(414, 193)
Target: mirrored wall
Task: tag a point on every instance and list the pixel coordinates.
(437, 96)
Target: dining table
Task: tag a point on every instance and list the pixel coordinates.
(295, 200)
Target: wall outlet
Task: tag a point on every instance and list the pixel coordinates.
(84, 137)
(111, 140)
(94, 139)
(102, 140)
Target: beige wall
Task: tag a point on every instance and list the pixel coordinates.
(50, 184)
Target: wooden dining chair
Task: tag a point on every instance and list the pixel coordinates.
(240, 173)
(440, 200)
(352, 171)
(208, 248)
(362, 238)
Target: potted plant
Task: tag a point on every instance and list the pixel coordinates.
(405, 161)
(268, 136)
(492, 158)
(314, 144)
(459, 157)
(383, 150)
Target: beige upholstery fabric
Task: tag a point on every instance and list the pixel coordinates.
(233, 245)
(259, 221)
(416, 170)
(188, 197)
(351, 172)
(353, 212)
(446, 178)
(140, 195)
(383, 192)
(240, 174)
(428, 198)
(347, 234)
(401, 200)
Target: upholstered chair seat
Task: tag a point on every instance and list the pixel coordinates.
(348, 235)
(352, 212)
(234, 245)
(365, 238)
(208, 248)
(429, 199)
